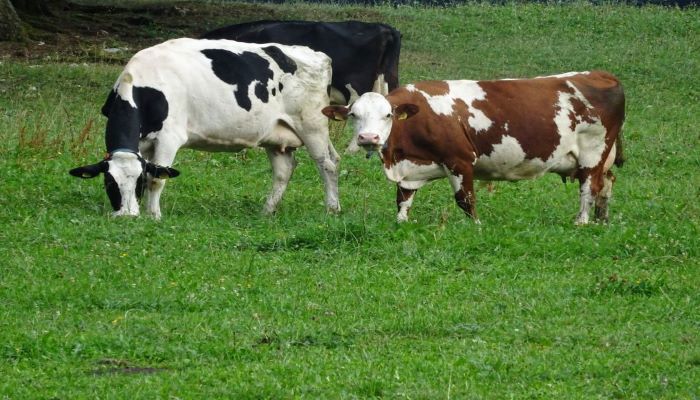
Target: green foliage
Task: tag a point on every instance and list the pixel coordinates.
(218, 301)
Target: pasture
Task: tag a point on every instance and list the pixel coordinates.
(219, 301)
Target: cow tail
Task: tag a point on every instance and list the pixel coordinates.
(619, 156)
(390, 60)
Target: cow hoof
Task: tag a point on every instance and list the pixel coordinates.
(268, 211)
(333, 210)
(121, 213)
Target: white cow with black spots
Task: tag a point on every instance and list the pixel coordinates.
(214, 95)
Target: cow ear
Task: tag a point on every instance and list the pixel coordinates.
(89, 171)
(161, 172)
(337, 113)
(405, 111)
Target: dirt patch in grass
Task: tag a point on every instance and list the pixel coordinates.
(108, 33)
(110, 366)
(111, 33)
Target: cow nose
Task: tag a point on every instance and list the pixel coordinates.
(367, 138)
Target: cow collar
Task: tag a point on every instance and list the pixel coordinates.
(109, 154)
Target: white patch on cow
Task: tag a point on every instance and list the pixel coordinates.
(380, 86)
(126, 168)
(413, 176)
(611, 158)
(404, 206)
(469, 92)
(586, 202)
(124, 88)
(507, 162)
(505, 127)
(585, 142)
(455, 180)
(441, 104)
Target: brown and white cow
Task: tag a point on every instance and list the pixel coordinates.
(514, 129)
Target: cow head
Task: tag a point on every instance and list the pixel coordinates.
(124, 173)
(373, 117)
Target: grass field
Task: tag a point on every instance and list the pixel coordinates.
(218, 301)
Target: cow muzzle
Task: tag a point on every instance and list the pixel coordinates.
(368, 139)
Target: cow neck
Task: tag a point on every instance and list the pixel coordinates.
(123, 129)
(121, 140)
(386, 151)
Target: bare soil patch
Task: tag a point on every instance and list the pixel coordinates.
(79, 33)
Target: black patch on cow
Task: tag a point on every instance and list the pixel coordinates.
(140, 188)
(281, 86)
(126, 124)
(241, 69)
(262, 93)
(359, 51)
(113, 193)
(108, 104)
(274, 91)
(285, 63)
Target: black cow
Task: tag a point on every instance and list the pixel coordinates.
(364, 56)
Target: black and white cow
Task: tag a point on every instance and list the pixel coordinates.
(364, 56)
(213, 95)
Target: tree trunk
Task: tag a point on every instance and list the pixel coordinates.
(10, 24)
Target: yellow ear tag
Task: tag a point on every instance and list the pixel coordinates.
(163, 175)
(403, 115)
(338, 116)
(86, 175)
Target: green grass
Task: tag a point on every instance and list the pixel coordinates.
(222, 302)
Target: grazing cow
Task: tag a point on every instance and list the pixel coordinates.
(213, 95)
(364, 56)
(569, 124)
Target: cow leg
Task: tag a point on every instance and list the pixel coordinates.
(592, 184)
(322, 151)
(163, 154)
(462, 181)
(603, 197)
(404, 200)
(283, 164)
(146, 149)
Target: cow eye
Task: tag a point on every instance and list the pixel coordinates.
(388, 115)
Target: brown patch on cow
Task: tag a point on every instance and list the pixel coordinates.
(504, 105)
(426, 133)
(605, 93)
(433, 88)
